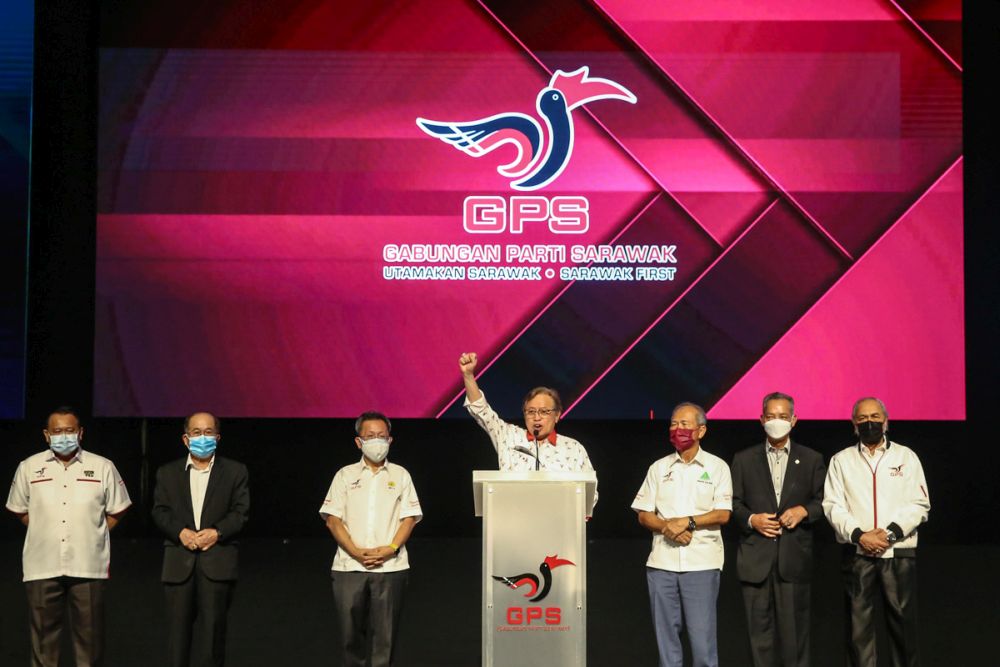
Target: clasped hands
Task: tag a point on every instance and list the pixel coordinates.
(771, 525)
(676, 530)
(373, 557)
(202, 540)
(874, 542)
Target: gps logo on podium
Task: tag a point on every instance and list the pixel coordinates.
(525, 615)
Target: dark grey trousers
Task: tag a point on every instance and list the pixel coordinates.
(369, 606)
(895, 579)
(48, 600)
(778, 619)
(202, 602)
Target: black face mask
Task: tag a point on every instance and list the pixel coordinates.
(870, 432)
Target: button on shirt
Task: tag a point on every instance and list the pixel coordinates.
(673, 488)
(566, 454)
(777, 461)
(371, 505)
(66, 507)
(199, 484)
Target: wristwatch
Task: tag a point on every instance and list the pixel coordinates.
(691, 524)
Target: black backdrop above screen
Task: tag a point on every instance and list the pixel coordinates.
(292, 461)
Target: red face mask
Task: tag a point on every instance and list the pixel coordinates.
(682, 438)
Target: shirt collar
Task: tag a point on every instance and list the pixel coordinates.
(190, 463)
(884, 445)
(77, 456)
(697, 458)
(551, 436)
(771, 448)
(364, 466)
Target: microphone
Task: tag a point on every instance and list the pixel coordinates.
(524, 450)
(538, 461)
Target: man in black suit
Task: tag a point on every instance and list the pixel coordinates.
(777, 498)
(201, 504)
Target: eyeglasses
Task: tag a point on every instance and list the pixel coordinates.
(195, 432)
(538, 412)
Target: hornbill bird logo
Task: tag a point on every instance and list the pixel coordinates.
(541, 155)
(528, 579)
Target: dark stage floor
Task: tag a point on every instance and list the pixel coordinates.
(282, 612)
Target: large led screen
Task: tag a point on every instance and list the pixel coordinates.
(17, 30)
(312, 208)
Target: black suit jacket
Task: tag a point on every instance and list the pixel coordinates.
(753, 493)
(226, 508)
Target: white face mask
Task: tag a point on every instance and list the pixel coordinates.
(64, 443)
(777, 429)
(375, 449)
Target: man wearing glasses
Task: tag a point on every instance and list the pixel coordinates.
(201, 503)
(516, 446)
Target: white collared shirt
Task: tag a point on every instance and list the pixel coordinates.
(371, 505)
(566, 454)
(673, 488)
(67, 508)
(199, 485)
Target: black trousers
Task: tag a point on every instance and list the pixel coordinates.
(778, 619)
(896, 580)
(197, 602)
(369, 606)
(48, 600)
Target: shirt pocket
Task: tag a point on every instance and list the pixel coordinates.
(704, 497)
(88, 491)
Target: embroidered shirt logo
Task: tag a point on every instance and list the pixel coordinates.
(896, 471)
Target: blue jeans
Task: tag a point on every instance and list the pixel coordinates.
(687, 598)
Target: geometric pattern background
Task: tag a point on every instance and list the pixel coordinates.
(804, 157)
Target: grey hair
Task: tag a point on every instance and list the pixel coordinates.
(881, 406)
(776, 396)
(371, 416)
(701, 418)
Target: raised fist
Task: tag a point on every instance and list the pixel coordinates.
(467, 362)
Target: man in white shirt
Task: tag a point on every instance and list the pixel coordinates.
(684, 500)
(69, 500)
(370, 509)
(875, 498)
(537, 446)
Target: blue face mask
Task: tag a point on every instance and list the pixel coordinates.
(64, 444)
(202, 446)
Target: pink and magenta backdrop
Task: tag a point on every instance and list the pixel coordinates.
(805, 158)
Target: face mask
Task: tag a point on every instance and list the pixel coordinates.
(202, 446)
(682, 439)
(870, 432)
(64, 444)
(375, 449)
(777, 429)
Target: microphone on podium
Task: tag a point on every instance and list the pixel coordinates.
(537, 460)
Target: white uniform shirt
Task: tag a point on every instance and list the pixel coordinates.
(872, 492)
(66, 507)
(199, 485)
(673, 488)
(566, 454)
(371, 505)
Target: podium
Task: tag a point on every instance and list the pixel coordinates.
(534, 566)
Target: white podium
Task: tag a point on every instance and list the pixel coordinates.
(534, 566)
